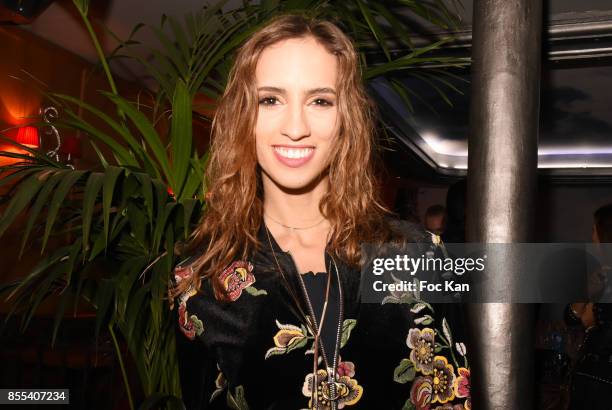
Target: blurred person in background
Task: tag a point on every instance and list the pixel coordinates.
(591, 386)
(455, 213)
(435, 219)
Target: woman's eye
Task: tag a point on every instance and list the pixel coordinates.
(268, 101)
(322, 102)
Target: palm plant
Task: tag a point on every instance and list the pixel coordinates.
(126, 217)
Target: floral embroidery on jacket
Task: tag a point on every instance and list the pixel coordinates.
(291, 337)
(422, 344)
(237, 277)
(462, 387)
(431, 348)
(348, 389)
(190, 325)
(288, 338)
(443, 379)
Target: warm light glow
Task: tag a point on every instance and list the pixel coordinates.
(13, 149)
(28, 136)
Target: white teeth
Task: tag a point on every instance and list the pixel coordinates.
(293, 153)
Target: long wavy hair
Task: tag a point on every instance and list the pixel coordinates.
(234, 205)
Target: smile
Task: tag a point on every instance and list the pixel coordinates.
(293, 156)
(293, 152)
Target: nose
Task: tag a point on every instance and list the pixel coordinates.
(295, 123)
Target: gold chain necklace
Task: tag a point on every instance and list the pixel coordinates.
(293, 227)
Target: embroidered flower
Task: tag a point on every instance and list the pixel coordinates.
(237, 277)
(443, 380)
(190, 325)
(182, 272)
(421, 392)
(462, 386)
(348, 390)
(346, 369)
(427, 390)
(422, 344)
(288, 338)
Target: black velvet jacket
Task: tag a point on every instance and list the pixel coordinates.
(255, 352)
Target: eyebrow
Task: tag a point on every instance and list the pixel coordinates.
(319, 90)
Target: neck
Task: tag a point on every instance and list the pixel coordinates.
(294, 208)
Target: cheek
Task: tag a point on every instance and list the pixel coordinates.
(324, 125)
(264, 129)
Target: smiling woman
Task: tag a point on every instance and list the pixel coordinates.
(270, 290)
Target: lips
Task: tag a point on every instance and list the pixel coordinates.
(293, 156)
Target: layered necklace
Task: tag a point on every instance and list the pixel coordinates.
(330, 389)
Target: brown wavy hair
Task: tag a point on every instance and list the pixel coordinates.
(234, 205)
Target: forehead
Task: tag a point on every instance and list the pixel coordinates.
(296, 63)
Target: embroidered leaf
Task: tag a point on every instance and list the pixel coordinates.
(407, 298)
(273, 351)
(198, 326)
(287, 327)
(252, 290)
(237, 401)
(347, 327)
(418, 307)
(297, 345)
(404, 372)
(220, 385)
(438, 348)
(408, 405)
(215, 394)
(390, 299)
(461, 348)
(447, 332)
(424, 320)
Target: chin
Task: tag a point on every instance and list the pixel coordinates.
(302, 183)
(294, 181)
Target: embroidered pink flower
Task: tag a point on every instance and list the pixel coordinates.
(237, 277)
(421, 392)
(462, 386)
(346, 369)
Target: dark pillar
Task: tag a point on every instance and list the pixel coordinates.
(502, 177)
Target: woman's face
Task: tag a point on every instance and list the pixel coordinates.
(297, 118)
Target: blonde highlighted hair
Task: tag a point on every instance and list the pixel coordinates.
(234, 206)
